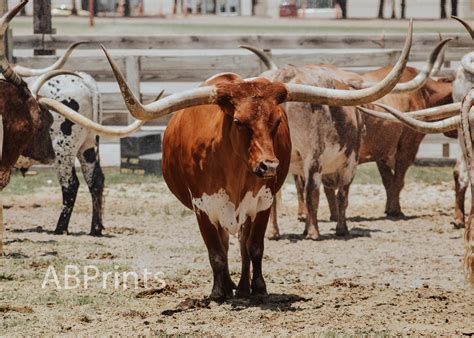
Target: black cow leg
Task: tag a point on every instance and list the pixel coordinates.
(69, 191)
(92, 171)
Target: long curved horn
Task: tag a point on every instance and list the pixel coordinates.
(442, 126)
(440, 60)
(429, 114)
(89, 124)
(172, 103)
(418, 81)
(465, 24)
(466, 63)
(267, 61)
(27, 72)
(468, 158)
(5, 67)
(334, 97)
(466, 130)
(36, 86)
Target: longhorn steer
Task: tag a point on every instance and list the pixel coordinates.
(228, 157)
(326, 142)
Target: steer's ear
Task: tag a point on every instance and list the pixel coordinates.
(278, 91)
(224, 99)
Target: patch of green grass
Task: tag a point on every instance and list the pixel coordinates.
(369, 174)
(366, 174)
(47, 178)
(85, 300)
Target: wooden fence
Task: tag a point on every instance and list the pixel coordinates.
(135, 56)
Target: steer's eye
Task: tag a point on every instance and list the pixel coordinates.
(238, 123)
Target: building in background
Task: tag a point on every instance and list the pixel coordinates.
(418, 9)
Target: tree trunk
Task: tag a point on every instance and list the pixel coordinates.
(381, 6)
(454, 7)
(402, 9)
(443, 9)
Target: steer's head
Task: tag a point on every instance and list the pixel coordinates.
(254, 116)
(40, 149)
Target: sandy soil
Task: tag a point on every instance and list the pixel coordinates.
(387, 277)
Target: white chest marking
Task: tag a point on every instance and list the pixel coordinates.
(221, 211)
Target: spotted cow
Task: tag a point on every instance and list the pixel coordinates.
(71, 141)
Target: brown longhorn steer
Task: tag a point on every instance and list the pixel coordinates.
(227, 161)
(393, 146)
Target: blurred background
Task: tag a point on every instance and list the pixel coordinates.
(426, 9)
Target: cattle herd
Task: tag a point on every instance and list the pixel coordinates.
(231, 142)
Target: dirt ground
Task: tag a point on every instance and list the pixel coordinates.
(387, 277)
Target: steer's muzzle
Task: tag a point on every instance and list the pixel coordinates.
(267, 168)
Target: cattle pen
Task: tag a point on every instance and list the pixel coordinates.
(149, 272)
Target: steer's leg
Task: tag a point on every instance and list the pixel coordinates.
(4, 179)
(255, 248)
(217, 257)
(90, 163)
(313, 184)
(331, 197)
(228, 283)
(273, 232)
(461, 182)
(243, 289)
(302, 211)
(404, 158)
(387, 179)
(69, 187)
(342, 203)
(2, 226)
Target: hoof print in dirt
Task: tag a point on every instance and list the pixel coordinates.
(189, 304)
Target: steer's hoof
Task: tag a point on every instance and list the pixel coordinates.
(313, 236)
(242, 293)
(396, 214)
(342, 231)
(220, 296)
(302, 217)
(458, 224)
(96, 232)
(274, 236)
(60, 231)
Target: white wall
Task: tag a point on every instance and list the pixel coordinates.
(421, 9)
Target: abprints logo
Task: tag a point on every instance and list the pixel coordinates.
(90, 276)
